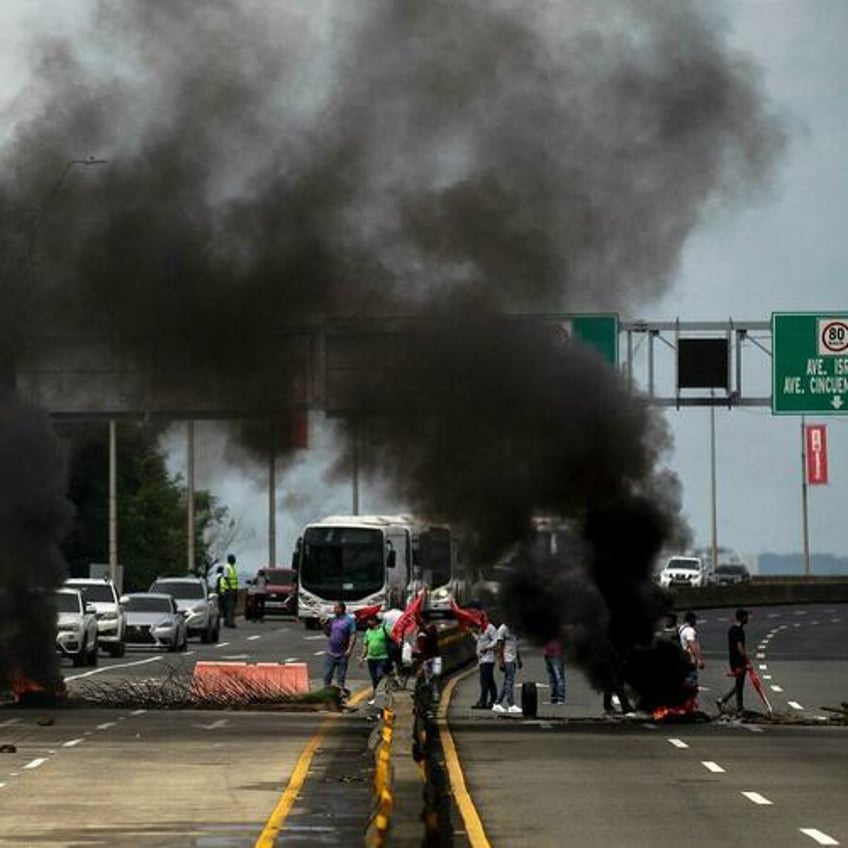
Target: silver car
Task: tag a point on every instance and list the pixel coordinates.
(76, 627)
(153, 619)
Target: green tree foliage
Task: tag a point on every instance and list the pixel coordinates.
(151, 506)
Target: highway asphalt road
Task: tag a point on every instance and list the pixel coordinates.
(91, 776)
(575, 777)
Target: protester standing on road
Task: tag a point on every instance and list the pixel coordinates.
(487, 638)
(509, 658)
(375, 651)
(554, 656)
(230, 592)
(691, 647)
(738, 658)
(341, 638)
(260, 588)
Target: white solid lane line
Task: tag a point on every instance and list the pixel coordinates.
(756, 798)
(818, 836)
(709, 765)
(678, 743)
(111, 667)
(33, 764)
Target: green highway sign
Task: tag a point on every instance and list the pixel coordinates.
(597, 331)
(809, 363)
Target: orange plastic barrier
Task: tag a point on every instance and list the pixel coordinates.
(234, 678)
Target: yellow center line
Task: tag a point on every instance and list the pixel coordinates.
(277, 819)
(473, 826)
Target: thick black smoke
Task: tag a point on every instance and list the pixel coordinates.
(34, 515)
(270, 166)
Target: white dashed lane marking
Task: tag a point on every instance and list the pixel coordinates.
(795, 705)
(678, 743)
(253, 638)
(709, 765)
(756, 798)
(71, 743)
(818, 836)
(34, 764)
(776, 688)
(106, 725)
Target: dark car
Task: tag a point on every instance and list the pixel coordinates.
(278, 597)
(728, 573)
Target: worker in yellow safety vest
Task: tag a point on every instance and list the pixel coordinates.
(230, 582)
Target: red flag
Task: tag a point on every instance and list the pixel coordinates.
(758, 685)
(467, 618)
(409, 618)
(366, 612)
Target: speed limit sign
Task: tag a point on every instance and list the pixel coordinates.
(832, 336)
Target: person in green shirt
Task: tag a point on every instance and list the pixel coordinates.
(375, 651)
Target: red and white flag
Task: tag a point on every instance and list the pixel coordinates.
(816, 444)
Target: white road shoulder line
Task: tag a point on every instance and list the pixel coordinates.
(709, 765)
(113, 667)
(818, 836)
(756, 798)
(678, 743)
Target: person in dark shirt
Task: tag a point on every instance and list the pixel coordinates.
(738, 658)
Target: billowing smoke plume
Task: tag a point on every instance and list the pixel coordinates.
(34, 515)
(267, 166)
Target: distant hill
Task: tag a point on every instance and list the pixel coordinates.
(821, 564)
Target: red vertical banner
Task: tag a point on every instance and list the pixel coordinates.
(816, 436)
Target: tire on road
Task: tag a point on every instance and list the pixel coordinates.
(529, 699)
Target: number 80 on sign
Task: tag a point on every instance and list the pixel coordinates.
(832, 336)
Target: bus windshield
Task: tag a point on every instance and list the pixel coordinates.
(342, 563)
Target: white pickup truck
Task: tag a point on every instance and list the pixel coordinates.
(684, 571)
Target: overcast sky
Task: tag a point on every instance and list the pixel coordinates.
(783, 251)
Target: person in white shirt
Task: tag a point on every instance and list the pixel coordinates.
(509, 658)
(487, 639)
(691, 647)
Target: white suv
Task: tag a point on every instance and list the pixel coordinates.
(100, 592)
(76, 627)
(684, 571)
(196, 602)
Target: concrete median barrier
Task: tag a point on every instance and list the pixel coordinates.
(214, 679)
(764, 591)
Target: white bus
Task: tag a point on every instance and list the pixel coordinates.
(365, 560)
